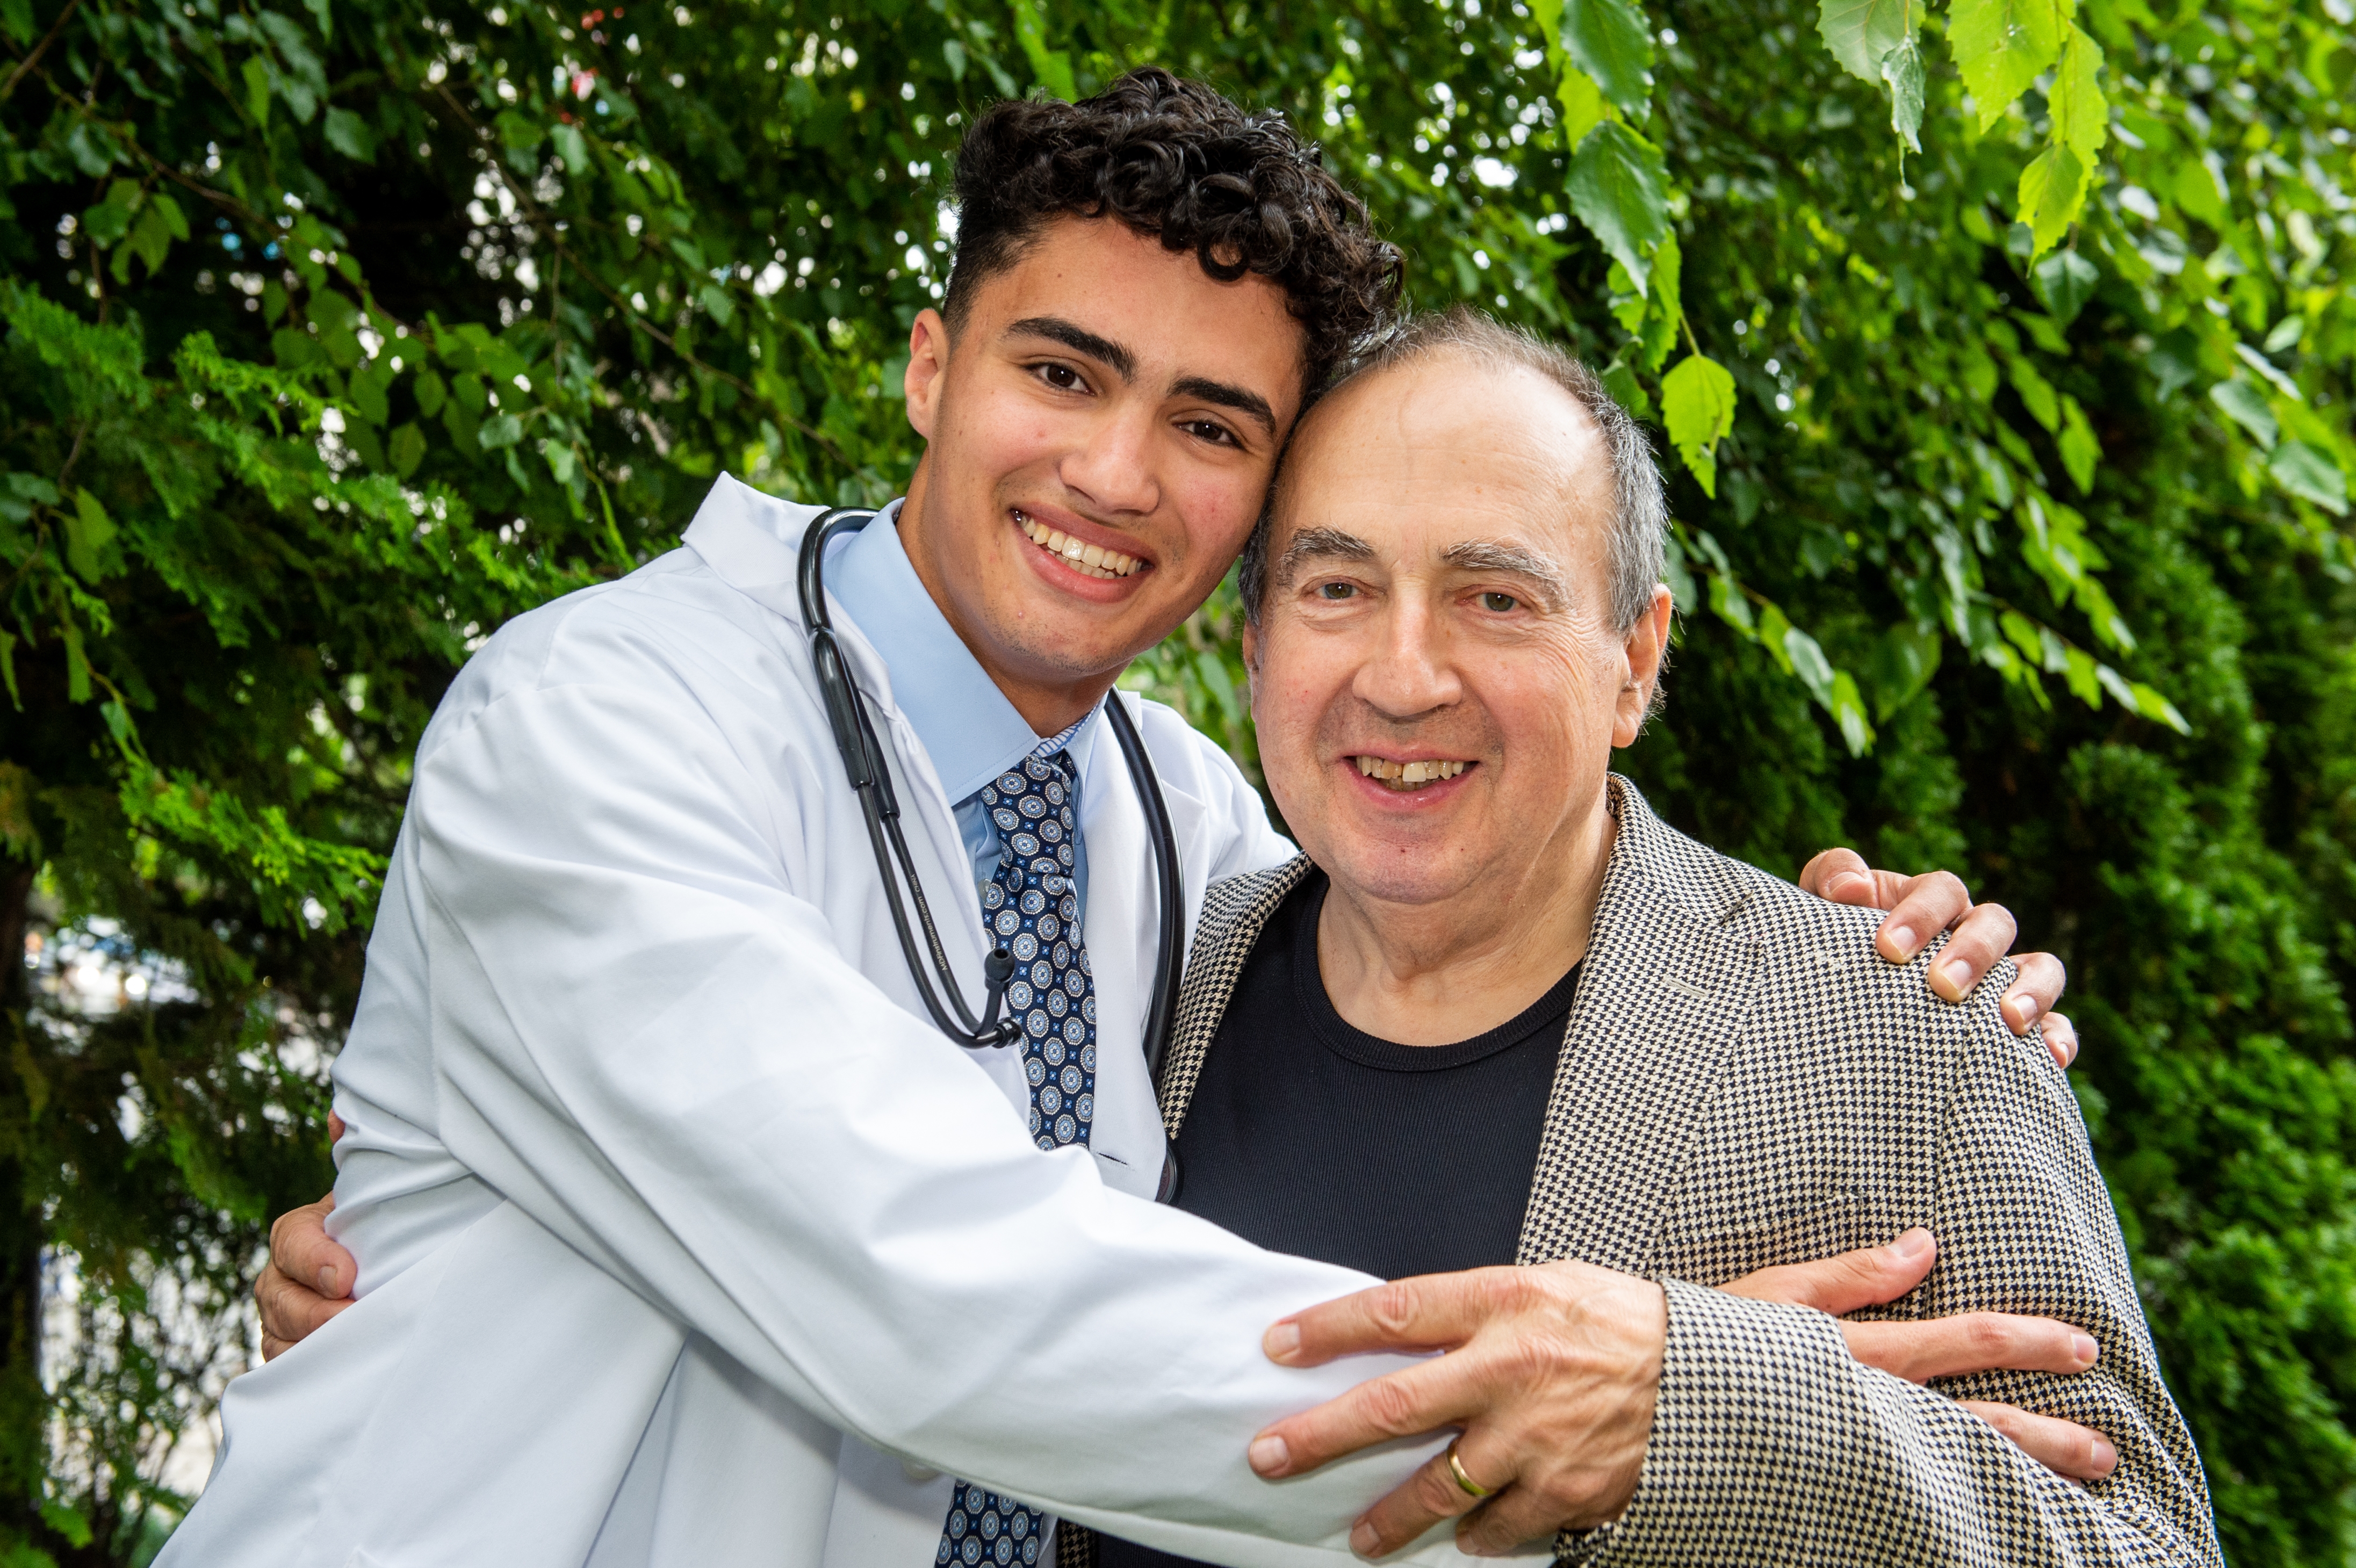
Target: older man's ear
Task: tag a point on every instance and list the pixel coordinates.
(1647, 645)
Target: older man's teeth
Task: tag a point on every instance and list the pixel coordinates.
(1087, 559)
(1402, 776)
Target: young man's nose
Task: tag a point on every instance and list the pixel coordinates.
(1113, 468)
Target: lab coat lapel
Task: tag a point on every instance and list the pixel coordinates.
(753, 542)
(1118, 925)
(1663, 993)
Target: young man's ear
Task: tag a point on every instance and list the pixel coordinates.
(1647, 648)
(928, 369)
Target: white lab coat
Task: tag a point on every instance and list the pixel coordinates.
(682, 1239)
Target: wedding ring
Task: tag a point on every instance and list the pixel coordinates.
(1471, 1487)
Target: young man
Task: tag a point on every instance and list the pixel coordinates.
(1499, 1013)
(678, 1236)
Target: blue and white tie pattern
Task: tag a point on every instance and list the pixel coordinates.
(1033, 908)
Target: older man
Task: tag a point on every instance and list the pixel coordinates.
(1499, 1013)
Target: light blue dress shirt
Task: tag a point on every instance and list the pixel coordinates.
(968, 728)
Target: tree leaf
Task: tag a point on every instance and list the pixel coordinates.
(2307, 473)
(1697, 405)
(2065, 280)
(2246, 407)
(2052, 190)
(499, 429)
(2000, 47)
(2036, 393)
(1901, 68)
(572, 146)
(89, 531)
(1583, 105)
(256, 73)
(1609, 43)
(1860, 33)
(2080, 451)
(406, 449)
(1618, 189)
(352, 136)
(2082, 116)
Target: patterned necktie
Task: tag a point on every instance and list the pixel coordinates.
(1032, 907)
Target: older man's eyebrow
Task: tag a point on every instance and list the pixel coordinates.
(1079, 340)
(1242, 400)
(1511, 560)
(1319, 544)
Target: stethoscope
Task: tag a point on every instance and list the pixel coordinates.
(871, 779)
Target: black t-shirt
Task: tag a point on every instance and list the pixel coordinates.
(1308, 1136)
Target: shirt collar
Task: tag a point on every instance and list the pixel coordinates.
(968, 727)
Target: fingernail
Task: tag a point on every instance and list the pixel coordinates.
(1913, 1244)
(1269, 1456)
(2083, 1347)
(2024, 1012)
(2107, 1459)
(326, 1279)
(1900, 936)
(1958, 976)
(1363, 1538)
(1282, 1342)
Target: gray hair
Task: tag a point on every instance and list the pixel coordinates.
(1640, 514)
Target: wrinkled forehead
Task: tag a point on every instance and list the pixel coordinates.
(1448, 448)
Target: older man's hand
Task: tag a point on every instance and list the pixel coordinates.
(1921, 907)
(1552, 1372)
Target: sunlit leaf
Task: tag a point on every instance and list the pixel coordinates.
(1618, 190)
(2000, 47)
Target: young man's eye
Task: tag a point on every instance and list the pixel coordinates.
(1211, 431)
(1499, 603)
(1062, 377)
(1331, 591)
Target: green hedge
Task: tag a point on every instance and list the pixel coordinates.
(2001, 354)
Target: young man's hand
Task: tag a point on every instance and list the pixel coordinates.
(1921, 907)
(1552, 1372)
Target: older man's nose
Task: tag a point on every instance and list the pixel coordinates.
(1407, 673)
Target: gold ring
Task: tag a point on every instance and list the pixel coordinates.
(1472, 1488)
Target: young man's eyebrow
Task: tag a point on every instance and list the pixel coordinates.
(1518, 560)
(1079, 340)
(1241, 399)
(1319, 544)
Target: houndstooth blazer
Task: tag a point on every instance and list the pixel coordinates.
(1745, 1083)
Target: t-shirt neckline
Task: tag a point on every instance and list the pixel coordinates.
(1338, 1035)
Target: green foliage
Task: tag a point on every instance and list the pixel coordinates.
(2010, 539)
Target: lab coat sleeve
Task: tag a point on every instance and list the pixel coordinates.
(646, 1039)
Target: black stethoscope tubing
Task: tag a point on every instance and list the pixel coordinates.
(864, 760)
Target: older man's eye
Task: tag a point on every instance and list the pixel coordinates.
(1334, 591)
(1499, 603)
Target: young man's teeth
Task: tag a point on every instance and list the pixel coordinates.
(1409, 775)
(1087, 559)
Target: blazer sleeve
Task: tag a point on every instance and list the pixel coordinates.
(1771, 1445)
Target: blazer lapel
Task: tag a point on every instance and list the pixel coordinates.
(1233, 913)
(1663, 993)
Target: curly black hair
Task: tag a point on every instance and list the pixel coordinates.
(1177, 161)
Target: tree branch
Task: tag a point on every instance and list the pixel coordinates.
(30, 61)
